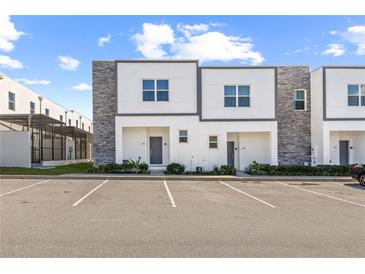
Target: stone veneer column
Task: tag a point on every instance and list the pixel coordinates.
(104, 110)
(294, 127)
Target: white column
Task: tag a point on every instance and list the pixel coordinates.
(274, 146)
(326, 147)
(118, 142)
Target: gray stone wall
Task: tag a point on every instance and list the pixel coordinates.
(104, 110)
(294, 127)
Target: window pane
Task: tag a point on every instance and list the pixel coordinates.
(244, 90)
(183, 133)
(299, 94)
(148, 96)
(363, 90)
(163, 84)
(11, 96)
(299, 105)
(229, 101)
(353, 89)
(162, 95)
(353, 100)
(243, 101)
(148, 84)
(213, 145)
(11, 105)
(213, 138)
(183, 139)
(47, 111)
(363, 100)
(230, 90)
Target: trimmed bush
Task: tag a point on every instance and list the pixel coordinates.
(175, 168)
(294, 170)
(131, 167)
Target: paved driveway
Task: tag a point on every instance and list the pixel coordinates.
(101, 218)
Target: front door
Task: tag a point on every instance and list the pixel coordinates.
(155, 150)
(230, 153)
(344, 153)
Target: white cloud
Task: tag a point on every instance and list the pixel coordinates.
(334, 50)
(34, 82)
(7, 62)
(296, 51)
(102, 41)
(188, 30)
(8, 33)
(160, 41)
(356, 35)
(82, 87)
(152, 39)
(68, 63)
(333, 32)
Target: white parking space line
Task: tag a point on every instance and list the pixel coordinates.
(248, 195)
(25, 187)
(322, 194)
(79, 201)
(169, 193)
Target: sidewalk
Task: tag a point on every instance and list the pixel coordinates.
(245, 178)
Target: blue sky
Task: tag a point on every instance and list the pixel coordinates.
(52, 54)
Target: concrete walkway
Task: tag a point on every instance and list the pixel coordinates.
(246, 178)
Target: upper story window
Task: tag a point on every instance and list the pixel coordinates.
(77, 123)
(82, 126)
(61, 118)
(11, 101)
(183, 136)
(89, 128)
(47, 111)
(32, 107)
(356, 95)
(300, 96)
(155, 90)
(213, 141)
(69, 122)
(237, 96)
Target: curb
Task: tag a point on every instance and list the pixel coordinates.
(182, 178)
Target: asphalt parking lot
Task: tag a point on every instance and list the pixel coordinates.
(114, 218)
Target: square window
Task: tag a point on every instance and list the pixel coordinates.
(353, 89)
(299, 94)
(229, 90)
(149, 84)
(163, 84)
(162, 95)
(243, 101)
(244, 90)
(229, 101)
(148, 95)
(299, 105)
(353, 101)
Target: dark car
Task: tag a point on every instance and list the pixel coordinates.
(358, 173)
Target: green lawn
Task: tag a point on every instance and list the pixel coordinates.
(58, 170)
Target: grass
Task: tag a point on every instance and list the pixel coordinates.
(58, 170)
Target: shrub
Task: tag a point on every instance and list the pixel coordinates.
(224, 170)
(296, 170)
(175, 168)
(131, 167)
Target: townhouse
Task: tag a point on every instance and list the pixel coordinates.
(338, 115)
(37, 131)
(165, 111)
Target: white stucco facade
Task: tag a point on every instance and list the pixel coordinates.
(333, 120)
(253, 129)
(23, 97)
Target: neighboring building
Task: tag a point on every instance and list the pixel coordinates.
(166, 111)
(338, 115)
(66, 135)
